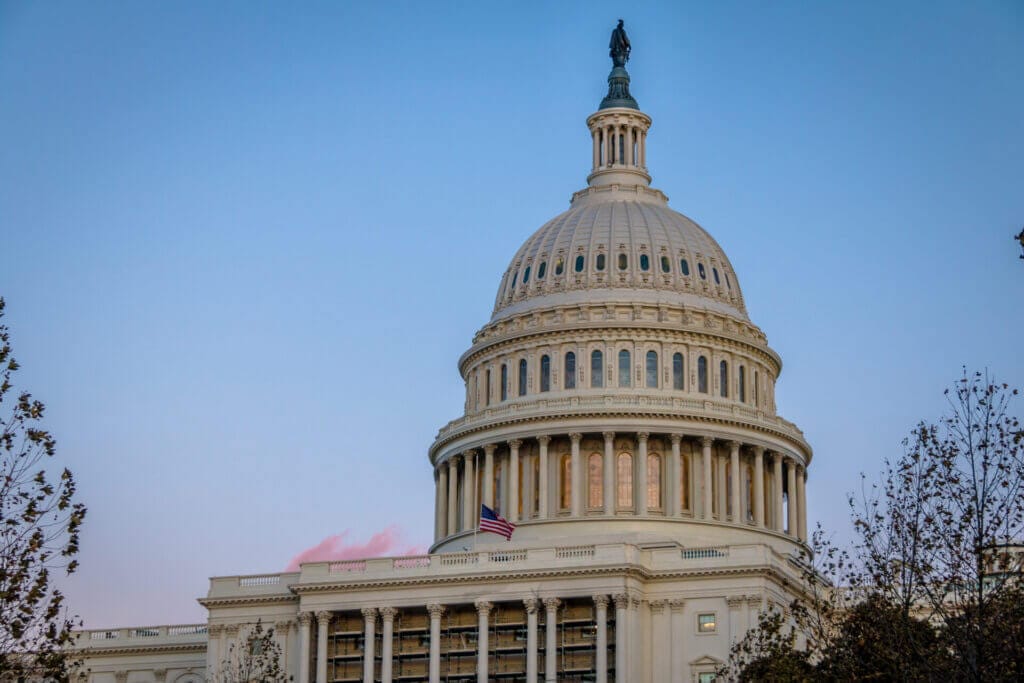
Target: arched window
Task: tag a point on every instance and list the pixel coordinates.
(702, 375)
(487, 396)
(743, 384)
(757, 382)
(700, 269)
(684, 267)
(624, 370)
(665, 264)
(565, 499)
(654, 481)
(596, 369)
(651, 370)
(677, 371)
(714, 271)
(624, 485)
(559, 265)
(623, 261)
(723, 379)
(599, 263)
(514, 277)
(542, 270)
(545, 373)
(522, 377)
(728, 283)
(645, 262)
(684, 483)
(579, 263)
(526, 275)
(595, 477)
(504, 381)
(570, 370)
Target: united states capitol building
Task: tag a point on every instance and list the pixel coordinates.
(620, 411)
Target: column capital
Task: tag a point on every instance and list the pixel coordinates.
(642, 436)
(388, 613)
(283, 625)
(160, 675)
(489, 448)
(323, 617)
(600, 600)
(468, 453)
(543, 439)
(305, 618)
(735, 445)
(515, 443)
(735, 600)
(369, 613)
(575, 437)
(657, 606)
(453, 459)
(483, 607)
(634, 601)
(121, 676)
(608, 436)
(551, 604)
(621, 600)
(675, 438)
(676, 604)
(231, 630)
(753, 600)
(706, 441)
(531, 604)
(758, 450)
(216, 629)
(435, 610)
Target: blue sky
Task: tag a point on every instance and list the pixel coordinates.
(243, 244)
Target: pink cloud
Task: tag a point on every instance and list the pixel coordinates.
(339, 547)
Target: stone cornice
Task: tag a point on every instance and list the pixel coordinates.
(143, 649)
(256, 599)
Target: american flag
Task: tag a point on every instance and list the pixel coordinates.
(495, 523)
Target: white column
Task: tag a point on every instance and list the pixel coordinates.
(323, 620)
(791, 527)
(596, 135)
(489, 474)
(609, 473)
(435, 610)
(483, 608)
(305, 618)
(621, 636)
(636, 640)
(601, 619)
(542, 485)
(469, 511)
(660, 643)
(369, 626)
(629, 146)
(777, 494)
(641, 500)
(678, 637)
(441, 521)
(801, 499)
(721, 492)
(675, 474)
(531, 639)
(512, 514)
(643, 149)
(734, 466)
(707, 472)
(759, 486)
(551, 640)
(735, 603)
(212, 649)
(576, 489)
(387, 619)
(453, 493)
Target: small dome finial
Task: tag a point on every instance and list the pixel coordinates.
(618, 80)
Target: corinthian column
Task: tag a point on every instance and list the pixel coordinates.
(791, 527)
(323, 620)
(601, 623)
(542, 485)
(734, 466)
(759, 486)
(641, 499)
(387, 618)
(707, 472)
(483, 609)
(531, 639)
(551, 642)
(434, 672)
(777, 494)
(441, 513)
(675, 472)
(305, 619)
(801, 499)
(469, 509)
(512, 514)
(369, 631)
(453, 493)
(489, 474)
(608, 484)
(621, 636)
(575, 489)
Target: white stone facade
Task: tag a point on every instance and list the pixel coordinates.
(620, 411)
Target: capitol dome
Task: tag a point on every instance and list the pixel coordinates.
(620, 390)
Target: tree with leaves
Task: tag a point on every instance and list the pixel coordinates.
(257, 659)
(40, 522)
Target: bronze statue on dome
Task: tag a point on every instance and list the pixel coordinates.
(618, 46)
(1020, 238)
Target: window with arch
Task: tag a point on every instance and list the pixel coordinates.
(504, 381)
(677, 371)
(515, 276)
(622, 149)
(757, 382)
(595, 479)
(723, 379)
(599, 262)
(596, 369)
(654, 481)
(526, 275)
(742, 378)
(487, 395)
(684, 483)
(645, 262)
(623, 261)
(651, 370)
(522, 377)
(624, 480)
(666, 265)
(570, 370)
(565, 483)
(684, 267)
(542, 270)
(624, 369)
(700, 270)
(728, 283)
(580, 261)
(702, 375)
(714, 271)
(545, 373)
(559, 265)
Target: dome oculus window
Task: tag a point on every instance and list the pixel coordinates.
(703, 273)
(623, 262)
(728, 282)
(579, 263)
(599, 263)
(559, 266)
(645, 262)
(714, 271)
(665, 264)
(526, 275)
(542, 270)
(515, 276)
(684, 267)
